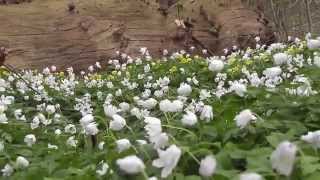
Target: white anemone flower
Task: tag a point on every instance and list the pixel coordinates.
(117, 122)
(244, 118)
(281, 58)
(30, 139)
(216, 65)
(184, 89)
(103, 170)
(189, 119)
(22, 162)
(313, 138)
(167, 160)
(208, 166)
(250, 176)
(110, 110)
(155, 134)
(123, 144)
(131, 164)
(283, 158)
(7, 170)
(272, 72)
(171, 106)
(206, 113)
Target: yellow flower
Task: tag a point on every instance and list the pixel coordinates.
(173, 69)
(248, 62)
(61, 74)
(110, 77)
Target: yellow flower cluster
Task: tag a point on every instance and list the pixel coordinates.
(173, 69)
(184, 60)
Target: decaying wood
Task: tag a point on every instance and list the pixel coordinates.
(44, 32)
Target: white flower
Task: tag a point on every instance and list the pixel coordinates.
(7, 170)
(153, 178)
(51, 109)
(206, 113)
(3, 119)
(57, 132)
(154, 131)
(131, 164)
(124, 106)
(189, 119)
(168, 160)
(168, 106)
(88, 124)
(283, 158)
(110, 110)
(51, 146)
(72, 142)
(280, 58)
(216, 65)
(208, 166)
(250, 176)
(101, 145)
(1, 146)
(3, 108)
(123, 144)
(22, 162)
(312, 138)
(103, 170)
(316, 61)
(30, 139)
(147, 104)
(70, 128)
(35, 123)
(184, 89)
(244, 118)
(313, 43)
(204, 94)
(238, 88)
(87, 119)
(91, 129)
(117, 123)
(272, 72)
(18, 115)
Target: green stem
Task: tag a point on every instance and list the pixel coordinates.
(181, 129)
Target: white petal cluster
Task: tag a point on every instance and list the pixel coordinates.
(171, 106)
(167, 160)
(313, 138)
(117, 123)
(89, 125)
(30, 139)
(184, 89)
(244, 118)
(216, 65)
(283, 158)
(189, 119)
(131, 164)
(250, 176)
(208, 166)
(154, 131)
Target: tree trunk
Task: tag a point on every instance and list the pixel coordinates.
(45, 32)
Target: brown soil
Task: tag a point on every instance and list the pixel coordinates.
(55, 32)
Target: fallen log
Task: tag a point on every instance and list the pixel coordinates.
(45, 32)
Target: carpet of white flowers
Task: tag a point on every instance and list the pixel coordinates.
(252, 115)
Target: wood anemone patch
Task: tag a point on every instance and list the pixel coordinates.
(46, 32)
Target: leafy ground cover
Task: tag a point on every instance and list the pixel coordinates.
(251, 115)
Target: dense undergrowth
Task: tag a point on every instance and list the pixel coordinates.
(252, 115)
